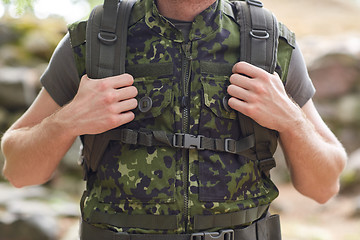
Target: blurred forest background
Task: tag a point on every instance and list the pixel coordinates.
(328, 33)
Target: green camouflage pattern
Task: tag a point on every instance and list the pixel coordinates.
(138, 180)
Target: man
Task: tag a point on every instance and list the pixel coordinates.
(160, 189)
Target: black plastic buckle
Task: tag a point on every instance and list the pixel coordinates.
(107, 38)
(230, 145)
(255, 3)
(227, 234)
(184, 140)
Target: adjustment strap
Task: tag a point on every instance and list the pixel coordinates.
(181, 140)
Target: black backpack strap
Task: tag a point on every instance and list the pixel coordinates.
(258, 46)
(106, 36)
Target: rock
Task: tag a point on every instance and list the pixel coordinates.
(356, 213)
(7, 34)
(18, 87)
(335, 75)
(32, 213)
(34, 227)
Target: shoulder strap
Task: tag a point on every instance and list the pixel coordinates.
(258, 45)
(106, 35)
(106, 38)
(259, 34)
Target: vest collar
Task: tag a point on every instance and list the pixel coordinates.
(203, 25)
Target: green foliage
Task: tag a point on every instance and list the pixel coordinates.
(21, 5)
(27, 5)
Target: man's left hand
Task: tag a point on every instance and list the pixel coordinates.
(262, 97)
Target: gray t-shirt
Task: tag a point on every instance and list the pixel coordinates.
(61, 76)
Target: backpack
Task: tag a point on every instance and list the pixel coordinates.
(106, 34)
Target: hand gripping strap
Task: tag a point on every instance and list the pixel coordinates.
(258, 45)
(106, 38)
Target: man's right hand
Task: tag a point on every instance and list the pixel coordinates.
(100, 105)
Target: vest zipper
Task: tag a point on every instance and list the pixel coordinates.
(186, 73)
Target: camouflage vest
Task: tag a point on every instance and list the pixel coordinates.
(186, 163)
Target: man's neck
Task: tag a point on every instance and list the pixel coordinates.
(184, 10)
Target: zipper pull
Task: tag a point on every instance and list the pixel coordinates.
(186, 47)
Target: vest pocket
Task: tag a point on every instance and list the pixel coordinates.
(154, 96)
(223, 176)
(136, 173)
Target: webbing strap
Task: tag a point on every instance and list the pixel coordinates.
(229, 219)
(124, 15)
(259, 39)
(267, 228)
(160, 222)
(181, 140)
(106, 24)
(107, 37)
(161, 138)
(163, 222)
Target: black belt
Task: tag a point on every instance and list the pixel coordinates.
(267, 228)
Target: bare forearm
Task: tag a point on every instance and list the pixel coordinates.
(315, 161)
(33, 153)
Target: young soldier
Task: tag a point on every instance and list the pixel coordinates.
(178, 82)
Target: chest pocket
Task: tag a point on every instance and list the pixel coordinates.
(155, 90)
(222, 176)
(144, 174)
(215, 110)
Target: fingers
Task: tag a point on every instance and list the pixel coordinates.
(114, 82)
(124, 106)
(248, 70)
(126, 93)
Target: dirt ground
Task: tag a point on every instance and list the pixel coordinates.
(304, 219)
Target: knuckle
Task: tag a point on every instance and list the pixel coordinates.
(109, 98)
(101, 85)
(112, 120)
(259, 88)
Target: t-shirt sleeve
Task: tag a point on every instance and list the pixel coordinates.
(61, 77)
(298, 83)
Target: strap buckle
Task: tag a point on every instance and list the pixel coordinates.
(227, 234)
(230, 145)
(184, 140)
(107, 38)
(259, 34)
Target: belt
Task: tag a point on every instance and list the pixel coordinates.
(267, 228)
